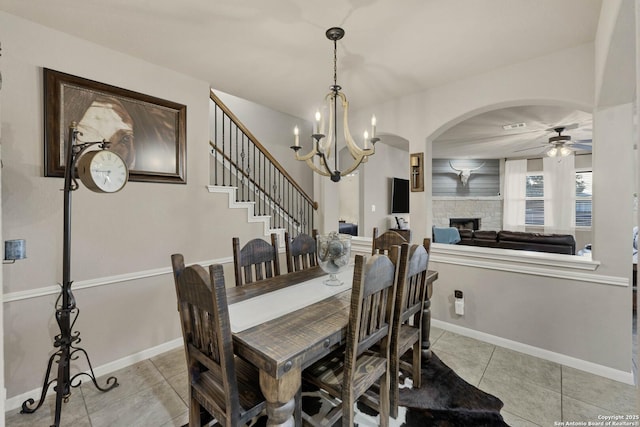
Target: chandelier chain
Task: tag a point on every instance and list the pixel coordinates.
(335, 63)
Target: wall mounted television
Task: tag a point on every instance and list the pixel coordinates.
(399, 196)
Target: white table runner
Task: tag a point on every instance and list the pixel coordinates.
(254, 311)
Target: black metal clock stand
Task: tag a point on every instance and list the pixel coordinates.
(66, 310)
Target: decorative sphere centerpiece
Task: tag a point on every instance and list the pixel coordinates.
(334, 252)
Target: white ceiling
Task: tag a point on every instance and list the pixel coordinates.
(483, 136)
(275, 52)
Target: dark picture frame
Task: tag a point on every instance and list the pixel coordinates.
(149, 133)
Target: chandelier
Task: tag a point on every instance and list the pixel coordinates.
(326, 144)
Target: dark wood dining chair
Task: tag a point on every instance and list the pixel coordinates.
(406, 333)
(347, 374)
(257, 260)
(382, 243)
(301, 251)
(224, 386)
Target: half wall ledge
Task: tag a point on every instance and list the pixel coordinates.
(571, 267)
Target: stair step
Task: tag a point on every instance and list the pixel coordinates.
(249, 206)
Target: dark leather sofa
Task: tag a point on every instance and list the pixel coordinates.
(347, 228)
(553, 243)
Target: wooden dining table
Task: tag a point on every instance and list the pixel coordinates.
(281, 347)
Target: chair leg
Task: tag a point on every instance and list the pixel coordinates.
(194, 413)
(297, 414)
(384, 400)
(348, 412)
(394, 369)
(417, 365)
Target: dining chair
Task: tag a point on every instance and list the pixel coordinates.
(406, 332)
(257, 260)
(348, 373)
(382, 243)
(301, 251)
(223, 385)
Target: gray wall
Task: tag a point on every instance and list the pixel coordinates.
(483, 182)
(121, 243)
(388, 162)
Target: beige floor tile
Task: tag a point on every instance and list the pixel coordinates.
(521, 366)
(132, 380)
(171, 363)
(153, 406)
(602, 392)
(434, 334)
(180, 384)
(523, 398)
(577, 411)
(74, 413)
(516, 421)
(179, 421)
(469, 349)
(155, 391)
(469, 370)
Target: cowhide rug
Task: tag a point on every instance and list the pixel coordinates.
(444, 400)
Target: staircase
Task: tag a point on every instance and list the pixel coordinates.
(253, 178)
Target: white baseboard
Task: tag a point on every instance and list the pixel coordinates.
(16, 401)
(563, 359)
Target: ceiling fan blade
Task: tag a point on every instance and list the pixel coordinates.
(564, 127)
(530, 148)
(580, 147)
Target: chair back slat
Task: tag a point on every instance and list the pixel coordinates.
(382, 244)
(207, 331)
(301, 251)
(371, 308)
(413, 262)
(413, 292)
(257, 260)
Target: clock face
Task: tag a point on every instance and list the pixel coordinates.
(103, 171)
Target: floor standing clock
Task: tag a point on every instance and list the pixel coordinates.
(101, 171)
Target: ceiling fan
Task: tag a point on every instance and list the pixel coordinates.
(562, 145)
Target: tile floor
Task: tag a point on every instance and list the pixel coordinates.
(535, 392)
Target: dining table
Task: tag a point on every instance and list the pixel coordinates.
(285, 323)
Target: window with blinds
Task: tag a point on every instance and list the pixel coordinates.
(583, 198)
(534, 199)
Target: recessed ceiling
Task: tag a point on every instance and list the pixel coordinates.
(275, 53)
(483, 136)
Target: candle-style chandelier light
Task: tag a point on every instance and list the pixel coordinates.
(324, 145)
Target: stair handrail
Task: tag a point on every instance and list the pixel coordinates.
(256, 185)
(261, 148)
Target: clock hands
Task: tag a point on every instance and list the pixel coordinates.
(105, 173)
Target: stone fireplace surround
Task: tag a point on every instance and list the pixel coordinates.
(487, 209)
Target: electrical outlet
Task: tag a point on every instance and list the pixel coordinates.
(373, 208)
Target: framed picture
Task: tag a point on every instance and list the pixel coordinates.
(149, 133)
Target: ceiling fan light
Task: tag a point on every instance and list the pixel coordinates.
(564, 151)
(553, 152)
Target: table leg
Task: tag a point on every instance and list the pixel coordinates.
(426, 324)
(280, 394)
